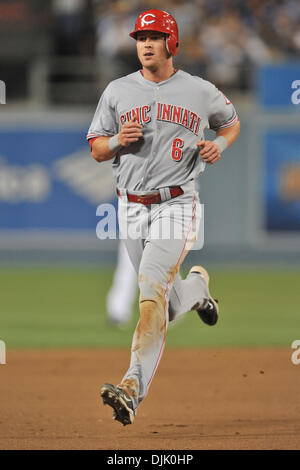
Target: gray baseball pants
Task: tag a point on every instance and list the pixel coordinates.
(158, 238)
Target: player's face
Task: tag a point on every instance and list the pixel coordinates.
(151, 49)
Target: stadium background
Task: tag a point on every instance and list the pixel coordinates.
(55, 59)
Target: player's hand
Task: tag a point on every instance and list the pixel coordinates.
(209, 152)
(130, 132)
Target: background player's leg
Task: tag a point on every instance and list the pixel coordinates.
(123, 291)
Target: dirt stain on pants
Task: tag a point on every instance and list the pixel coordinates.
(148, 341)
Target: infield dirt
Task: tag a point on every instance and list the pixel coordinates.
(199, 399)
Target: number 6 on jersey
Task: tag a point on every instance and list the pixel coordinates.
(178, 144)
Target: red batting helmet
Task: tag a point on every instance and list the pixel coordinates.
(158, 20)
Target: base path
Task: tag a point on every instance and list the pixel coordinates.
(199, 399)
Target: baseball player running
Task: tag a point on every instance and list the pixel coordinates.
(151, 125)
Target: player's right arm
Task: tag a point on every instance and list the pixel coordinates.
(104, 148)
(100, 149)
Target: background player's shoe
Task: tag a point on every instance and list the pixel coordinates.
(120, 401)
(209, 312)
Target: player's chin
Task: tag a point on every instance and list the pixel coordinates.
(149, 62)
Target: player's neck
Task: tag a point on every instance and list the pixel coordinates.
(160, 74)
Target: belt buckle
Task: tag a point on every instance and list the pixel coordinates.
(142, 198)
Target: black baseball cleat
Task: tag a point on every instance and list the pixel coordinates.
(209, 312)
(120, 401)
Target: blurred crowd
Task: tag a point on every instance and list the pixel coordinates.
(222, 40)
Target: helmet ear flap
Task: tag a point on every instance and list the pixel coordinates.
(172, 45)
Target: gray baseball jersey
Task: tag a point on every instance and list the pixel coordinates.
(174, 114)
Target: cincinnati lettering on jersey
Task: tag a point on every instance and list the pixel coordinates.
(165, 112)
(178, 115)
(142, 114)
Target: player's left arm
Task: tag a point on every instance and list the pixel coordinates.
(211, 149)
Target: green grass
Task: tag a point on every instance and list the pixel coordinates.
(66, 308)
